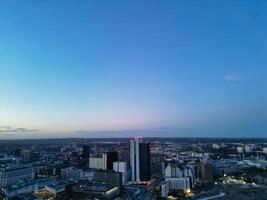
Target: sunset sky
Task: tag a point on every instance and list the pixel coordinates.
(104, 68)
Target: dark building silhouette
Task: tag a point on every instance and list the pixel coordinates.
(110, 158)
(17, 152)
(84, 162)
(144, 150)
(34, 156)
(86, 152)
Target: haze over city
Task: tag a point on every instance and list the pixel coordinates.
(125, 68)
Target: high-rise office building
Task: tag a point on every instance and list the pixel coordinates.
(124, 154)
(85, 155)
(206, 172)
(157, 164)
(140, 160)
(109, 159)
(86, 152)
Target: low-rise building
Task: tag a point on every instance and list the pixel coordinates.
(178, 183)
(13, 174)
(108, 177)
(71, 173)
(164, 189)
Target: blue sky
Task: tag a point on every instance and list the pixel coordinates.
(119, 68)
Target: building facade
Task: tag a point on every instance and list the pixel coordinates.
(140, 160)
(13, 175)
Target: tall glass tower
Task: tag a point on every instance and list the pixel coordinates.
(140, 160)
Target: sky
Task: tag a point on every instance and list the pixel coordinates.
(158, 68)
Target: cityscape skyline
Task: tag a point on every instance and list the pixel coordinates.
(120, 69)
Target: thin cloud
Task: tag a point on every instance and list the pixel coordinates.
(153, 132)
(112, 131)
(232, 77)
(9, 129)
(134, 131)
(173, 128)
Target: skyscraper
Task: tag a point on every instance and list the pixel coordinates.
(86, 155)
(86, 152)
(109, 159)
(157, 164)
(140, 160)
(124, 154)
(206, 172)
